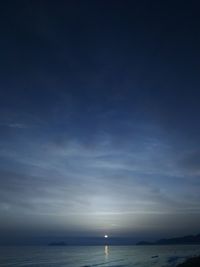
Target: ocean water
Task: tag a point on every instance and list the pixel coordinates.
(91, 256)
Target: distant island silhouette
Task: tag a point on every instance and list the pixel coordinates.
(62, 243)
(85, 241)
(190, 239)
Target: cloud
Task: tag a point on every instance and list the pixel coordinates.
(97, 184)
(190, 162)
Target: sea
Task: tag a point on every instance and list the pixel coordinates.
(96, 256)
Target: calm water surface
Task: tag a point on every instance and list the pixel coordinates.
(112, 256)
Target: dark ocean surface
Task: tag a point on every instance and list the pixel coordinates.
(112, 256)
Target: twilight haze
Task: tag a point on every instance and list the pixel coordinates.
(99, 119)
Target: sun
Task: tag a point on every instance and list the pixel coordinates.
(106, 236)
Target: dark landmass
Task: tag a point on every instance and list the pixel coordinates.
(144, 243)
(93, 241)
(191, 239)
(192, 262)
(62, 243)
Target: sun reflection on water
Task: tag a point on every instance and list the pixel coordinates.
(106, 251)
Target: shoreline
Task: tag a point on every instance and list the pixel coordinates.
(191, 262)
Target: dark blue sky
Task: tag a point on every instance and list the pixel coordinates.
(99, 118)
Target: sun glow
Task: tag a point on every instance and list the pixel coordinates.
(106, 236)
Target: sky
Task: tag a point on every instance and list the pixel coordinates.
(99, 119)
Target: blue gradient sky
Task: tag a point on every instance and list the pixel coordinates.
(99, 119)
